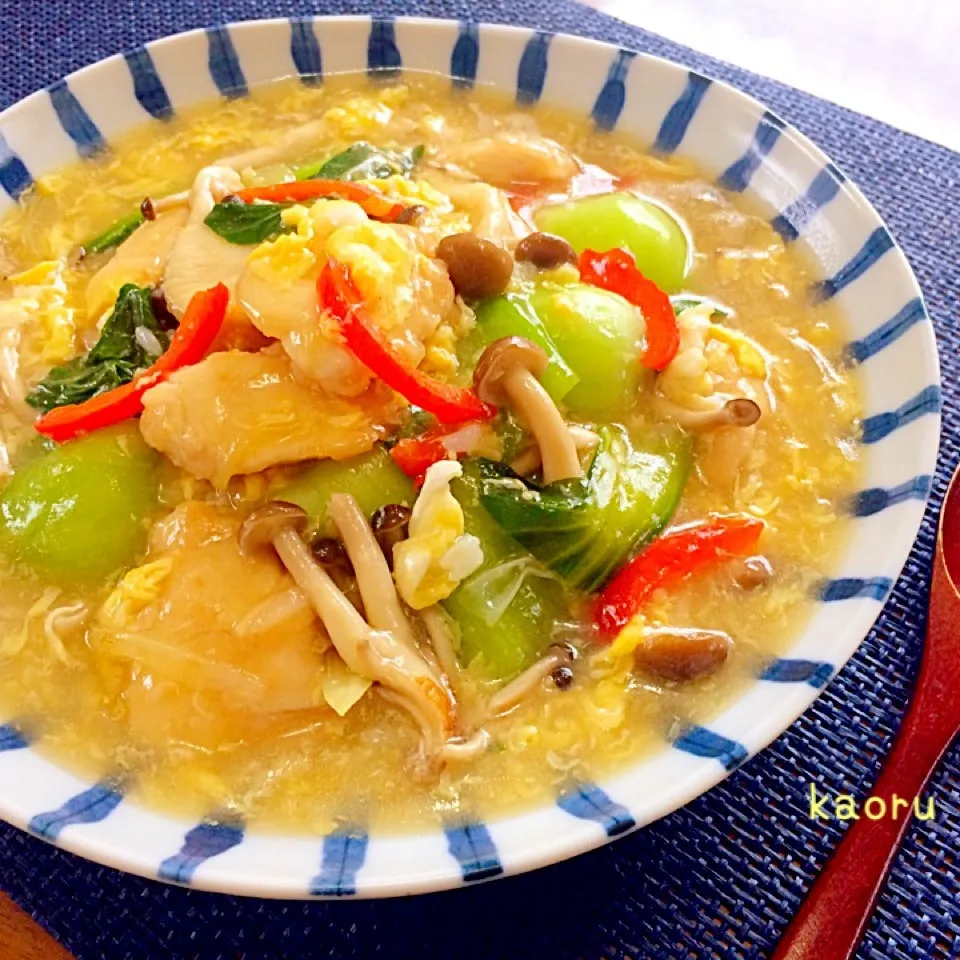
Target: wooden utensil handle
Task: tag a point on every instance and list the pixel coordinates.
(835, 913)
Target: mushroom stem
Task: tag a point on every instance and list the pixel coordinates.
(441, 640)
(738, 412)
(349, 632)
(151, 208)
(468, 749)
(406, 677)
(509, 695)
(533, 405)
(528, 460)
(379, 593)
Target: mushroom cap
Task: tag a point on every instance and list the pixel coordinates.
(266, 522)
(502, 357)
(741, 412)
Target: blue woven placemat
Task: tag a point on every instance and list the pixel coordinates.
(721, 877)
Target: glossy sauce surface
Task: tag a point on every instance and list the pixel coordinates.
(307, 767)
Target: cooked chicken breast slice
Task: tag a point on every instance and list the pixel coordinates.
(140, 259)
(504, 160)
(236, 413)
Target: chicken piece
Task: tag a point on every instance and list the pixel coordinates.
(407, 294)
(140, 259)
(488, 208)
(294, 143)
(236, 413)
(214, 655)
(200, 259)
(504, 160)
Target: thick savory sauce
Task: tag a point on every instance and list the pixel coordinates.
(240, 720)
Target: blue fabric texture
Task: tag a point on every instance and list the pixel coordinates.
(719, 878)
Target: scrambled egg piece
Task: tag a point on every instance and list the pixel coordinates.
(437, 554)
(136, 588)
(710, 363)
(40, 294)
(361, 116)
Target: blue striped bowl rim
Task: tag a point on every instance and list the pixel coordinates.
(750, 149)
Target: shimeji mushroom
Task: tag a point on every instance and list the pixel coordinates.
(737, 412)
(528, 460)
(388, 654)
(670, 653)
(507, 373)
(510, 694)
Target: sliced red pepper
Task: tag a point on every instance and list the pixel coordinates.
(415, 455)
(616, 271)
(670, 560)
(189, 344)
(375, 204)
(448, 403)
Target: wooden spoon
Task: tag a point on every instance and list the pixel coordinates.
(833, 917)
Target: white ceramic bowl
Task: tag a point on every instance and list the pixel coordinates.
(673, 109)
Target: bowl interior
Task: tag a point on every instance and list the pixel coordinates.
(748, 149)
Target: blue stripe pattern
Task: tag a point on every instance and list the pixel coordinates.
(200, 844)
(465, 57)
(14, 176)
(881, 425)
(383, 54)
(91, 806)
(305, 50)
(588, 802)
(12, 738)
(853, 588)
(532, 72)
(815, 672)
(609, 104)
(794, 219)
(675, 123)
(343, 854)
(702, 742)
(875, 499)
(224, 64)
(876, 245)
(738, 175)
(474, 849)
(148, 88)
(870, 345)
(75, 120)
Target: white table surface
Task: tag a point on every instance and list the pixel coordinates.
(895, 60)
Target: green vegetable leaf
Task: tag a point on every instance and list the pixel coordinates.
(584, 529)
(685, 301)
(247, 223)
(113, 360)
(115, 235)
(363, 161)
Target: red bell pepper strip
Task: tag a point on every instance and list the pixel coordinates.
(375, 204)
(616, 271)
(415, 455)
(448, 403)
(189, 344)
(670, 560)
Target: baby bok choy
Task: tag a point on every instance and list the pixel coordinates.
(584, 529)
(506, 610)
